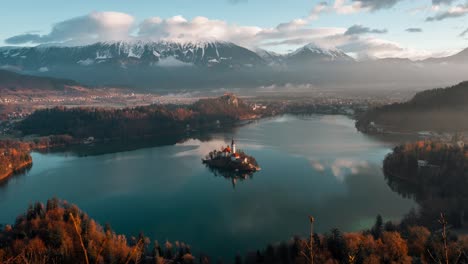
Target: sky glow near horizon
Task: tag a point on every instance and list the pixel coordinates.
(363, 29)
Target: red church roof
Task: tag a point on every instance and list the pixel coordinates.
(227, 149)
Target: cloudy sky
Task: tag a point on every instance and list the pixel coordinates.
(362, 28)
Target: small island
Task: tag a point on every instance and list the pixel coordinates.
(229, 159)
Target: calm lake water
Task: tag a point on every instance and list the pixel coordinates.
(317, 165)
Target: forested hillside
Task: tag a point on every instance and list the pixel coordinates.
(59, 232)
(435, 174)
(443, 110)
(17, 82)
(136, 122)
(14, 156)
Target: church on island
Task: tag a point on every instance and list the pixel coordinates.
(230, 159)
(231, 152)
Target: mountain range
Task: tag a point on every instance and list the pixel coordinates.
(127, 54)
(215, 64)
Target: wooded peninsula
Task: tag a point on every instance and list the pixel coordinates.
(437, 110)
(14, 157)
(433, 173)
(138, 122)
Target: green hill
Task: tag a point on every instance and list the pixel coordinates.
(228, 105)
(441, 110)
(16, 82)
(139, 121)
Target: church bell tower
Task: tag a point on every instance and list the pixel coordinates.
(233, 146)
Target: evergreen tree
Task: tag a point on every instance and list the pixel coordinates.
(337, 245)
(377, 229)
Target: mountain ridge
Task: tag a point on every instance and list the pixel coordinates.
(149, 53)
(134, 48)
(165, 65)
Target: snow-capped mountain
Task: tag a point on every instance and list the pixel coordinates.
(213, 64)
(313, 54)
(207, 54)
(306, 55)
(272, 58)
(125, 54)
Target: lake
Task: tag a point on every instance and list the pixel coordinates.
(314, 165)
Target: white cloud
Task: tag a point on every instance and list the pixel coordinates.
(96, 26)
(172, 62)
(425, 9)
(452, 12)
(442, 2)
(103, 26)
(354, 6)
(317, 165)
(344, 7)
(86, 62)
(199, 28)
(341, 167)
(377, 4)
(292, 25)
(317, 10)
(371, 47)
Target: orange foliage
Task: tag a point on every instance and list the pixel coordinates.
(420, 144)
(395, 249)
(417, 239)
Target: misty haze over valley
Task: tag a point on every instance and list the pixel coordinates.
(190, 66)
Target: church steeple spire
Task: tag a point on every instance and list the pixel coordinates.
(233, 146)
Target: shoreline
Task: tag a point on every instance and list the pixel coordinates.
(14, 171)
(230, 166)
(442, 135)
